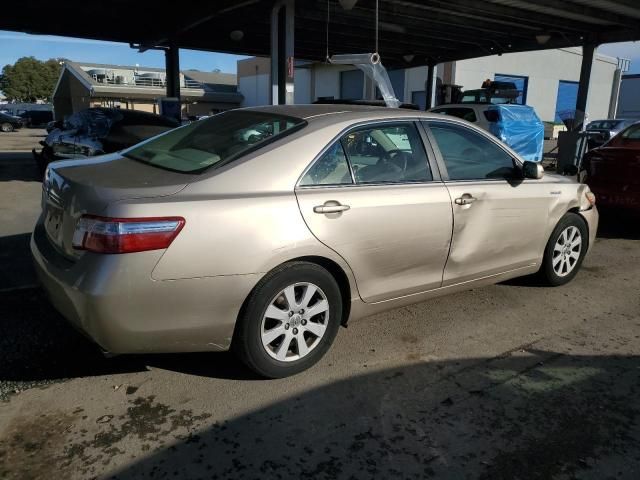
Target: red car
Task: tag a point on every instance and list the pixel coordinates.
(613, 170)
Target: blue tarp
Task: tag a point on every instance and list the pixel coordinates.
(519, 127)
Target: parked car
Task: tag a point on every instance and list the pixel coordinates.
(9, 123)
(96, 131)
(516, 125)
(613, 170)
(603, 130)
(36, 118)
(206, 238)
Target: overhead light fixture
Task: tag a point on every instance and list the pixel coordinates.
(408, 58)
(236, 35)
(543, 38)
(348, 4)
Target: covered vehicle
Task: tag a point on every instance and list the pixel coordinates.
(9, 123)
(96, 131)
(613, 170)
(516, 125)
(265, 229)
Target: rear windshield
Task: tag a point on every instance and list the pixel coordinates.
(603, 125)
(214, 141)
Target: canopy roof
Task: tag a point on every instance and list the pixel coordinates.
(412, 32)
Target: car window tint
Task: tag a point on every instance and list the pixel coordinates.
(469, 155)
(387, 153)
(330, 169)
(632, 133)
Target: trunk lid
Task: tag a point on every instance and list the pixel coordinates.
(75, 187)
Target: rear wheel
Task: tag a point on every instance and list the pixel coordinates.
(6, 127)
(565, 250)
(289, 321)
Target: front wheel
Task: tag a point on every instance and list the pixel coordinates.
(565, 250)
(289, 321)
(6, 127)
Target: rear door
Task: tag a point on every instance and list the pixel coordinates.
(373, 197)
(499, 218)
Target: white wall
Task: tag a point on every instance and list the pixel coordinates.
(256, 90)
(302, 85)
(327, 80)
(414, 80)
(545, 68)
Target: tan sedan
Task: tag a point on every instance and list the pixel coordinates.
(265, 229)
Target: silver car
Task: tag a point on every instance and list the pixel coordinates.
(265, 229)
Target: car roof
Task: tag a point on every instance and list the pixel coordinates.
(329, 113)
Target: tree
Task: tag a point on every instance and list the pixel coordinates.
(30, 79)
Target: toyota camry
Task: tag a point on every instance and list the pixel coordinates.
(263, 230)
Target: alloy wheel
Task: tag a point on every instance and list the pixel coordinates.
(295, 321)
(566, 251)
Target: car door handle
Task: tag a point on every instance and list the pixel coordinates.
(331, 206)
(465, 199)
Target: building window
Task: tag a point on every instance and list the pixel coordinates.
(521, 83)
(566, 100)
(351, 85)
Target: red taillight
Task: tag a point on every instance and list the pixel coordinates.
(125, 235)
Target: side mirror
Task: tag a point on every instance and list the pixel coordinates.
(532, 170)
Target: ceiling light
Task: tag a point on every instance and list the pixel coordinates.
(348, 4)
(236, 35)
(408, 58)
(542, 38)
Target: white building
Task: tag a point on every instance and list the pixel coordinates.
(629, 100)
(548, 80)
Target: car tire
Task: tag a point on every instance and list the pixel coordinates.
(273, 322)
(6, 127)
(565, 250)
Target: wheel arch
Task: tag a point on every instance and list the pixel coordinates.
(578, 212)
(334, 269)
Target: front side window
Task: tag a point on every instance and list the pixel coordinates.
(469, 155)
(214, 141)
(388, 153)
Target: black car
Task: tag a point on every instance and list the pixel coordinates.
(9, 123)
(96, 131)
(36, 118)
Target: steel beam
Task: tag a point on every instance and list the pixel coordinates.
(282, 52)
(428, 86)
(172, 66)
(588, 51)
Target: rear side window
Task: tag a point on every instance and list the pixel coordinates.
(214, 141)
(384, 153)
(330, 169)
(469, 155)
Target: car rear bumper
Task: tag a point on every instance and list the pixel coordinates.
(115, 302)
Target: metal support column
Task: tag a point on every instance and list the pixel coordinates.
(583, 87)
(282, 49)
(172, 66)
(428, 86)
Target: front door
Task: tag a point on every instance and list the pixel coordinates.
(371, 197)
(499, 219)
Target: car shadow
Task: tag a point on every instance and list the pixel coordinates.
(38, 345)
(19, 166)
(619, 224)
(16, 266)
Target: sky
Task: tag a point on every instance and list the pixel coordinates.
(15, 45)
